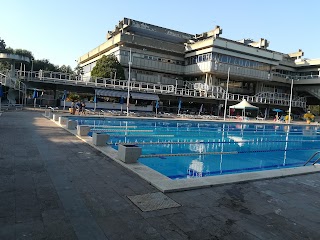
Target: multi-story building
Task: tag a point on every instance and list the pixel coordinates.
(199, 66)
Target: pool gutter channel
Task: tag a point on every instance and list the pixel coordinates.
(165, 184)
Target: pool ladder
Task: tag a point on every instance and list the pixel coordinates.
(316, 153)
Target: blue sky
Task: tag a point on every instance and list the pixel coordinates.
(63, 30)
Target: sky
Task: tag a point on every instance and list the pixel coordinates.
(64, 30)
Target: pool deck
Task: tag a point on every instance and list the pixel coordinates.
(55, 186)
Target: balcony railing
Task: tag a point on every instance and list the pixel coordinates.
(213, 92)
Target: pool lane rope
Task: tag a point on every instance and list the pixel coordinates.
(186, 154)
(210, 142)
(140, 136)
(118, 130)
(108, 126)
(219, 153)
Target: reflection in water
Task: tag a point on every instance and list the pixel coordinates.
(309, 132)
(239, 140)
(223, 139)
(198, 147)
(287, 130)
(195, 168)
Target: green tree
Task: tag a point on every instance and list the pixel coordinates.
(106, 67)
(65, 69)
(73, 97)
(2, 44)
(78, 70)
(45, 65)
(24, 53)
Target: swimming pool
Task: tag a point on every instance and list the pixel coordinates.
(190, 149)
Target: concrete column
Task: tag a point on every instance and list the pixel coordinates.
(100, 139)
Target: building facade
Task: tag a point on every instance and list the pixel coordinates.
(199, 65)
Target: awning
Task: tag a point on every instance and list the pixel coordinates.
(111, 93)
(243, 105)
(144, 96)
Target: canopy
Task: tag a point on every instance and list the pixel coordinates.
(144, 96)
(243, 105)
(111, 93)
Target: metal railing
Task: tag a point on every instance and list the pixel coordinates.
(316, 153)
(14, 83)
(213, 92)
(286, 76)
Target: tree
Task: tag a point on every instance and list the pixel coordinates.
(24, 53)
(73, 97)
(2, 44)
(45, 65)
(106, 67)
(78, 70)
(65, 69)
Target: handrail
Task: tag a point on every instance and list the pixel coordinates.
(215, 92)
(312, 158)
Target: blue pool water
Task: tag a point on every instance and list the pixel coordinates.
(187, 149)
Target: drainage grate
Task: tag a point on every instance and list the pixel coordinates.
(153, 201)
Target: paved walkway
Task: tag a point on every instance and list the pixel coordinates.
(54, 186)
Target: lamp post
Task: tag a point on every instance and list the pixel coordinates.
(31, 66)
(290, 101)
(129, 76)
(226, 99)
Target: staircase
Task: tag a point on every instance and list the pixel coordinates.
(312, 90)
(16, 87)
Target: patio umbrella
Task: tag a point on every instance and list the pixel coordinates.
(35, 96)
(277, 110)
(179, 105)
(1, 95)
(64, 97)
(157, 106)
(121, 102)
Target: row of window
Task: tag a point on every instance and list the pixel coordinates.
(88, 68)
(153, 58)
(155, 74)
(290, 73)
(222, 58)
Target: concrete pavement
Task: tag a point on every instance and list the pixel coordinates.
(54, 186)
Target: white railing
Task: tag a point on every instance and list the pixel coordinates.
(14, 83)
(215, 92)
(286, 76)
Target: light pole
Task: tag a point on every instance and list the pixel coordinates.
(31, 66)
(129, 76)
(290, 102)
(226, 100)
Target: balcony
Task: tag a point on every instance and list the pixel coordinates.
(222, 69)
